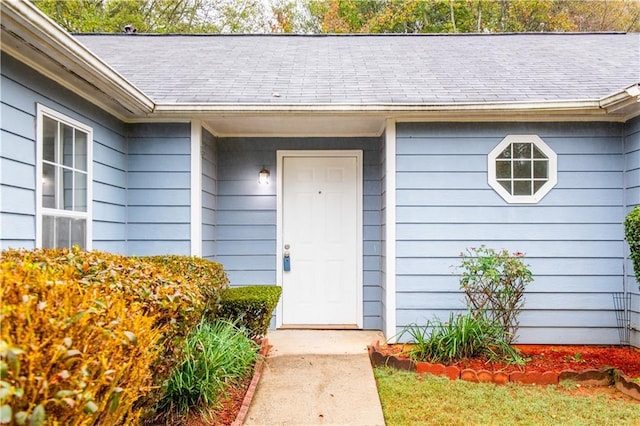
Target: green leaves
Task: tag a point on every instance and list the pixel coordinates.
(250, 306)
(6, 414)
(462, 336)
(215, 356)
(37, 416)
(494, 283)
(157, 16)
(632, 235)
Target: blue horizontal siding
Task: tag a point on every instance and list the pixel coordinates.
(573, 238)
(632, 198)
(511, 214)
(158, 180)
(488, 197)
(22, 89)
(107, 212)
(159, 196)
(157, 246)
(518, 231)
(466, 179)
(448, 282)
(17, 148)
(209, 195)
(17, 174)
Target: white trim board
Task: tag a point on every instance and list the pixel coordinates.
(196, 188)
(390, 231)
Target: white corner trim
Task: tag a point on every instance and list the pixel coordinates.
(390, 230)
(196, 188)
(279, 221)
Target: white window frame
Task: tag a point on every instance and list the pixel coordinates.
(41, 211)
(544, 189)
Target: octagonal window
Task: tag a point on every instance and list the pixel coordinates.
(522, 169)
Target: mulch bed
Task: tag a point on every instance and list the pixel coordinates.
(556, 358)
(614, 366)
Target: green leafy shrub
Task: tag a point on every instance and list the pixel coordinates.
(216, 355)
(632, 235)
(73, 350)
(208, 276)
(250, 307)
(494, 283)
(463, 336)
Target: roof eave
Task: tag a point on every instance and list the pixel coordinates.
(284, 120)
(609, 106)
(625, 103)
(33, 38)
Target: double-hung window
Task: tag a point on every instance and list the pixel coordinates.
(64, 181)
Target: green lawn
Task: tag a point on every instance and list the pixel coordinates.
(412, 399)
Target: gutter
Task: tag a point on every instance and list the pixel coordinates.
(579, 105)
(626, 98)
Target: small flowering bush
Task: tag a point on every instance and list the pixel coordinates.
(494, 283)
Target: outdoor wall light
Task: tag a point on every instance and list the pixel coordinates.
(263, 177)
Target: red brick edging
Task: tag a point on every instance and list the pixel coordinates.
(251, 390)
(601, 377)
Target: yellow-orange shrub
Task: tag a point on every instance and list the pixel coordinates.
(77, 353)
(112, 310)
(210, 277)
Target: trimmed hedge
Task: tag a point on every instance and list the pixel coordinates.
(92, 337)
(250, 307)
(208, 276)
(632, 235)
(80, 332)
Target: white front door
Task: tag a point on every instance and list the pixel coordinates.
(321, 234)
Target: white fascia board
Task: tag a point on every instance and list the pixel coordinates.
(571, 110)
(244, 108)
(43, 35)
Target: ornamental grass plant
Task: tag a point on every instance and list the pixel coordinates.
(463, 336)
(216, 355)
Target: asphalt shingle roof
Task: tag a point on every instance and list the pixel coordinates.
(372, 69)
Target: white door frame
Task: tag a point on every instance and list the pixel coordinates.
(279, 223)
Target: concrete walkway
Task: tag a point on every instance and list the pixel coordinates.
(317, 377)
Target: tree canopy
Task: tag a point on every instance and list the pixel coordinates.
(158, 16)
(344, 16)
